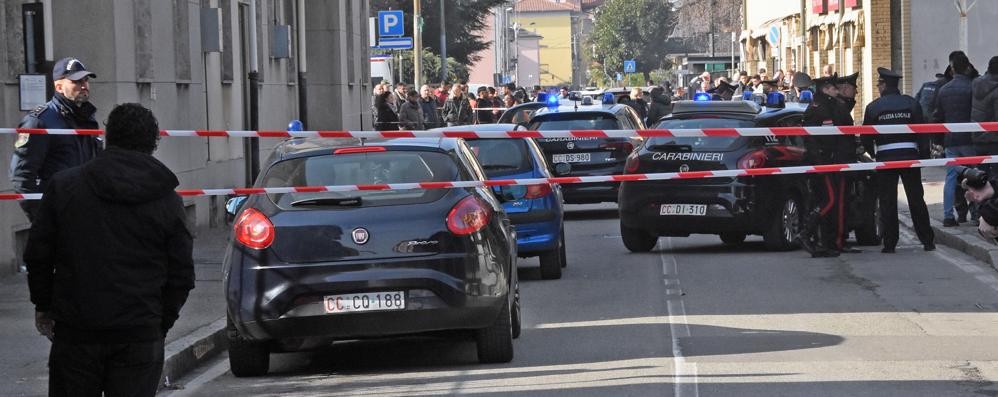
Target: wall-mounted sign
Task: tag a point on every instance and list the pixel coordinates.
(32, 90)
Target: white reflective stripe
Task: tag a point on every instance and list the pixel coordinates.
(897, 146)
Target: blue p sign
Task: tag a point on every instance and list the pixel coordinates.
(390, 23)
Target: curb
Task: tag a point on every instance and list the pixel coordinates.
(194, 349)
(953, 237)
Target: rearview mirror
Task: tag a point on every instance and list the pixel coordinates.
(233, 205)
(562, 169)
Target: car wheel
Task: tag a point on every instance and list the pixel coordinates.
(247, 358)
(495, 342)
(552, 261)
(868, 233)
(637, 240)
(783, 234)
(564, 255)
(517, 321)
(733, 238)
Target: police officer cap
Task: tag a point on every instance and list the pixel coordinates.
(770, 82)
(887, 74)
(850, 79)
(802, 80)
(723, 87)
(72, 69)
(823, 81)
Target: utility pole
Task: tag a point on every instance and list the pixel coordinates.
(443, 42)
(417, 38)
(963, 9)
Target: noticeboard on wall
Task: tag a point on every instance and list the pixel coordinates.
(32, 90)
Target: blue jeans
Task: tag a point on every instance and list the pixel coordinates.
(950, 187)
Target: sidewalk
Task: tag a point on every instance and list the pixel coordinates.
(196, 337)
(963, 238)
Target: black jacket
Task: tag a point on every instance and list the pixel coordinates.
(894, 108)
(457, 111)
(826, 111)
(953, 105)
(985, 108)
(639, 106)
(431, 116)
(37, 157)
(386, 119)
(661, 106)
(110, 256)
(926, 96)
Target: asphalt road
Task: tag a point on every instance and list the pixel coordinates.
(692, 318)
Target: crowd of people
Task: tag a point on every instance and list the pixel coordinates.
(400, 108)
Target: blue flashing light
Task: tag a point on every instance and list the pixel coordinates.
(701, 97)
(608, 98)
(552, 101)
(806, 96)
(747, 95)
(775, 99)
(295, 126)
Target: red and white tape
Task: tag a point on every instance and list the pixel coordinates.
(651, 133)
(808, 169)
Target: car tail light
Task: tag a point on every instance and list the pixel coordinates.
(360, 149)
(537, 191)
(254, 230)
(632, 164)
(468, 216)
(756, 159)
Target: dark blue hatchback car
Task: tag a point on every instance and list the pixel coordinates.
(308, 267)
(538, 216)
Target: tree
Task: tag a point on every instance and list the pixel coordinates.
(633, 29)
(697, 19)
(431, 67)
(464, 20)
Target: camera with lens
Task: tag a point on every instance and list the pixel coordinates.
(975, 178)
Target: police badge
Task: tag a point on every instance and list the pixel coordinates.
(22, 139)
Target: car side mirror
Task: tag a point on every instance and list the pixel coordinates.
(509, 193)
(562, 169)
(233, 205)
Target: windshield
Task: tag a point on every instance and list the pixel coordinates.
(699, 143)
(501, 157)
(363, 169)
(576, 121)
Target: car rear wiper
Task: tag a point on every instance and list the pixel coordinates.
(672, 146)
(329, 201)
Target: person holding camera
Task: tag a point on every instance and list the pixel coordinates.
(894, 108)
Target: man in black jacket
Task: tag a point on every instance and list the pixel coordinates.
(110, 264)
(830, 187)
(38, 156)
(953, 104)
(894, 108)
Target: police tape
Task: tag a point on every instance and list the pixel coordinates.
(807, 169)
(649, 133)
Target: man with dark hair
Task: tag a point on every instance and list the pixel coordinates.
(953, 103)
(985, 109)
(894, 108)
(38, 157)
(110, 264)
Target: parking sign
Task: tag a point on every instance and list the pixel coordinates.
(390, 23)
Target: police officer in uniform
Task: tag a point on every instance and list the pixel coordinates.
(847, 91)
(827, 111)
(894, 108)
(38, 156)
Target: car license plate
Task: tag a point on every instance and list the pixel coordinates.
(571, 158)
(367, 302)
(683, 210)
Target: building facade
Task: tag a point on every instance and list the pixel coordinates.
(912, 37)
(188, 61)
(556, 22)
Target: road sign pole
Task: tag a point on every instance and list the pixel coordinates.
(417, 53)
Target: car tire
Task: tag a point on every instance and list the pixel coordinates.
(495, 342)
(869, 232)
(733, 238)
(552, 261)
(515, 318)
(564, 253)
(247, 358)
(783, 234)
(637, 240)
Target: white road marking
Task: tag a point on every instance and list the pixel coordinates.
(191, 388)
(686, 383)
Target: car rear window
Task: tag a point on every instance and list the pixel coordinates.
(575, 121)
(363, 169)
(701, 143)
(501, 157)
